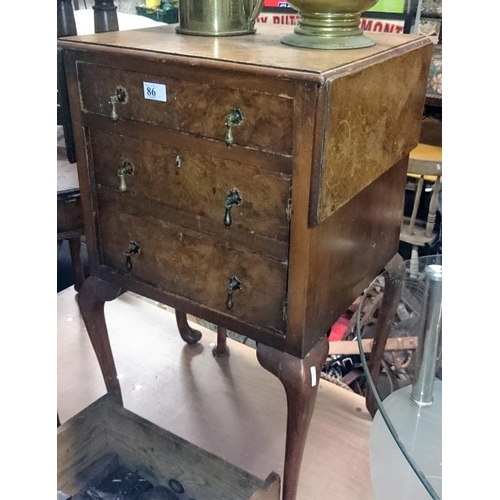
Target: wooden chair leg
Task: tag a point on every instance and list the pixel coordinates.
(76, 259)
(300, 378)
(188, 334)
(393, 286)
(414, 261)
(91, 298)
(433, 205)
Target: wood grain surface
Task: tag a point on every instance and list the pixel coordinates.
(197, 184)
(119, 436)
(194, 266)
(263, 49)
(373, 120)
(345, 212)
(195, 108)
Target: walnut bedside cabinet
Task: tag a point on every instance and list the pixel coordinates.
(252, 184)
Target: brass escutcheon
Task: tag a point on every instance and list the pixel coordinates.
(120, 96)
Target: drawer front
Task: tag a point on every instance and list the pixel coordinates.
(195, 183)
(194, 108)
(193, 266)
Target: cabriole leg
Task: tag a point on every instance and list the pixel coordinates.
(300, 378)
(91, 298)
(188, 334)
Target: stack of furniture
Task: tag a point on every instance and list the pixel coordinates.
(431, 25)
(69, 209)
(421, 227)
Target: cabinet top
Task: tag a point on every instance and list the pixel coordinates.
(262, 50)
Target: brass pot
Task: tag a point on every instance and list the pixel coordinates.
(329, 24)
(218, 17)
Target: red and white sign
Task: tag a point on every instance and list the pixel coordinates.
(382, 25)
(366, 24)
(274, 18)
(276, 3)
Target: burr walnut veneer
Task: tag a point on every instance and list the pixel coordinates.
(252, 184)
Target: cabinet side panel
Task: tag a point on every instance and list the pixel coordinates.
(350, 249)
(373, 120)
(310, 99)
(84, 161)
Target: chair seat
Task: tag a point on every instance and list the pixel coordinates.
(427, 152)
(418, 236)
(429, 178)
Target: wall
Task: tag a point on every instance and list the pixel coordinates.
(128, 6)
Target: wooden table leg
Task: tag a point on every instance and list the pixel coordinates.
(191, 336)
(393, 286)
(221, 349)
(300, 378)
(91, 298)
(188, 334)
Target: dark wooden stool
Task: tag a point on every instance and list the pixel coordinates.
(69, 213)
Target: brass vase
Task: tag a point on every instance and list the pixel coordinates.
(329, 24)
(218, 17)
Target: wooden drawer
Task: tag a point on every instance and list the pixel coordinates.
(191, 107)
(193, 265)
(105, 433)
(193, 182)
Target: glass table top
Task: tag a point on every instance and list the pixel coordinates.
(406, 435)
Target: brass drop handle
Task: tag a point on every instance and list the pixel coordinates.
(120, 96)
(113, 100)
(234, 118)
(133, 249)
(126, 169)
(233, 285)
(233, 198)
